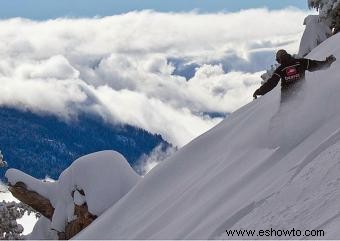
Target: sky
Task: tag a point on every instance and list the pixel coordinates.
(46, 9)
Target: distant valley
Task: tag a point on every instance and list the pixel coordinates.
(42, 145)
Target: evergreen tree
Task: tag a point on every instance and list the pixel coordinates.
(9, 213)
(329, 12)
(316, 32)
(320, 27)
(3, 163)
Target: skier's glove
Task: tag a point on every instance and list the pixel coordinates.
(330, 59)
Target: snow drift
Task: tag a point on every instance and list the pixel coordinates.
(265, 166)
(104, 177)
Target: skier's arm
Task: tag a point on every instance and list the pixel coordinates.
(314, 65)
(268, 86)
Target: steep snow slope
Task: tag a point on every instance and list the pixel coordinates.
(266, 166)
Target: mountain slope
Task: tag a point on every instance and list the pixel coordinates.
(44, 145)
(266, 166)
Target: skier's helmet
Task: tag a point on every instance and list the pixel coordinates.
(281, 55)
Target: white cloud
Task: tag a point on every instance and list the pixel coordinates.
(158, 71)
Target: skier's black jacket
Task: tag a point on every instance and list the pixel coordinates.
(291, 72)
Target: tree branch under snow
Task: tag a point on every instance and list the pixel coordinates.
(33, 199)
(85, 190)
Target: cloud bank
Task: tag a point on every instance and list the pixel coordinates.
(158, 71)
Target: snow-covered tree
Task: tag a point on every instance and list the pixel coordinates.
(315, 33)
(9, 228)
(9, 213)
(3, 163)
(336, 19)
(319, 27)
(329, 12)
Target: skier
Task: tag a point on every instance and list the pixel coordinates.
(291, 72)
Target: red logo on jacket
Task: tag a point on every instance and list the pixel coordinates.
(291, 71)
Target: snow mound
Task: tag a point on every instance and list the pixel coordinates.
(266, 166)
(42, 231)
(99, 179)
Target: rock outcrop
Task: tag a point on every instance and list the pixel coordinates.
(42, 205)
